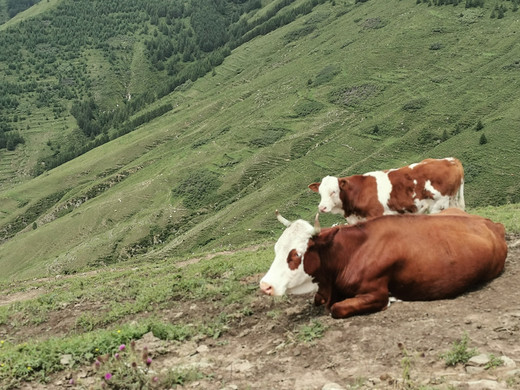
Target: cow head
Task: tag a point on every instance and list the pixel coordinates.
(286, 273)
(330, 195)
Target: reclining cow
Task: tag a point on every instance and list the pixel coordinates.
(423, 188)
(411, 257)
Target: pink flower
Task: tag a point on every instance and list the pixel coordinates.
(148, 361)
(116, 356)
(122, 347)
(108, 376)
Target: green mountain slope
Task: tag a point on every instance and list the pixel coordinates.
(347, 88)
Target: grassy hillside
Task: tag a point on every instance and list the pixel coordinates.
(345, 89)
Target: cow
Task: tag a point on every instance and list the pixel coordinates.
(426, 187)
(353, 269)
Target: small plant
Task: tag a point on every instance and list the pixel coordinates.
(494, 361)
(314, 330)
(459, 352)
(479, 126)
(131, 368)
(483, 140)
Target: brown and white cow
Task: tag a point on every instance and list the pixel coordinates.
(423, 188)
(355, 268)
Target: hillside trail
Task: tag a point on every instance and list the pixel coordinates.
(289, 344)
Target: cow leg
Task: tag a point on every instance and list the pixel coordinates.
(360, 304)
(322, 296)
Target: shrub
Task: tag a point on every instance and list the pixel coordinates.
(325, 75)
(307, 107)
(414, 105)
(199, 188)
(267, 137)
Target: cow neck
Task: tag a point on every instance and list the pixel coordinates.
(352, 195)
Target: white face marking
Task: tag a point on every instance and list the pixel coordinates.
(280, 278)
(384, 188)
(329, 192)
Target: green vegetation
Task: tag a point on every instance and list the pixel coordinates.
(459, 353)
(111, 301)
(137, 139)
(494, 361)
(312, 331)
(157, 170)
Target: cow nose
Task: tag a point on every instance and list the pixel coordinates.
(322, 209)
(266, 288)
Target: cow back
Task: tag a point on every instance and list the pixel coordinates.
(413, 257)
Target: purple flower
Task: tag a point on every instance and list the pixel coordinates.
(148, 361)
(97, 363)
(116, 356)
(108, 376)
(122, 347)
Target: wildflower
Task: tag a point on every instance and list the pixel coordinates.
(119, 331)
(108, 376)
(134, 365)
(97, 349)
(97, 363)
(148, 361)
(155, 379)
(132, 345)
(122, 347)
(116, 356)
(72, 382)
(29, 368)
(2, 342)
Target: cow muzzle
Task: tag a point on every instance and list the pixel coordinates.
(266, 288)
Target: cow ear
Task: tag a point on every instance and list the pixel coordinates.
(294, 259)
(311, 262)
(325, 237)
(315, 187)
(343, 184)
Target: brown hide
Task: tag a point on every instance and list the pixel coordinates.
(358, 195)
(444, 175)
(413, 257)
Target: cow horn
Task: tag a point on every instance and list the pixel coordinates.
(317, 227)
(282, 219)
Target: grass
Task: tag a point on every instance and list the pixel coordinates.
(121, 305)
(281, 133)
(311, 332)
